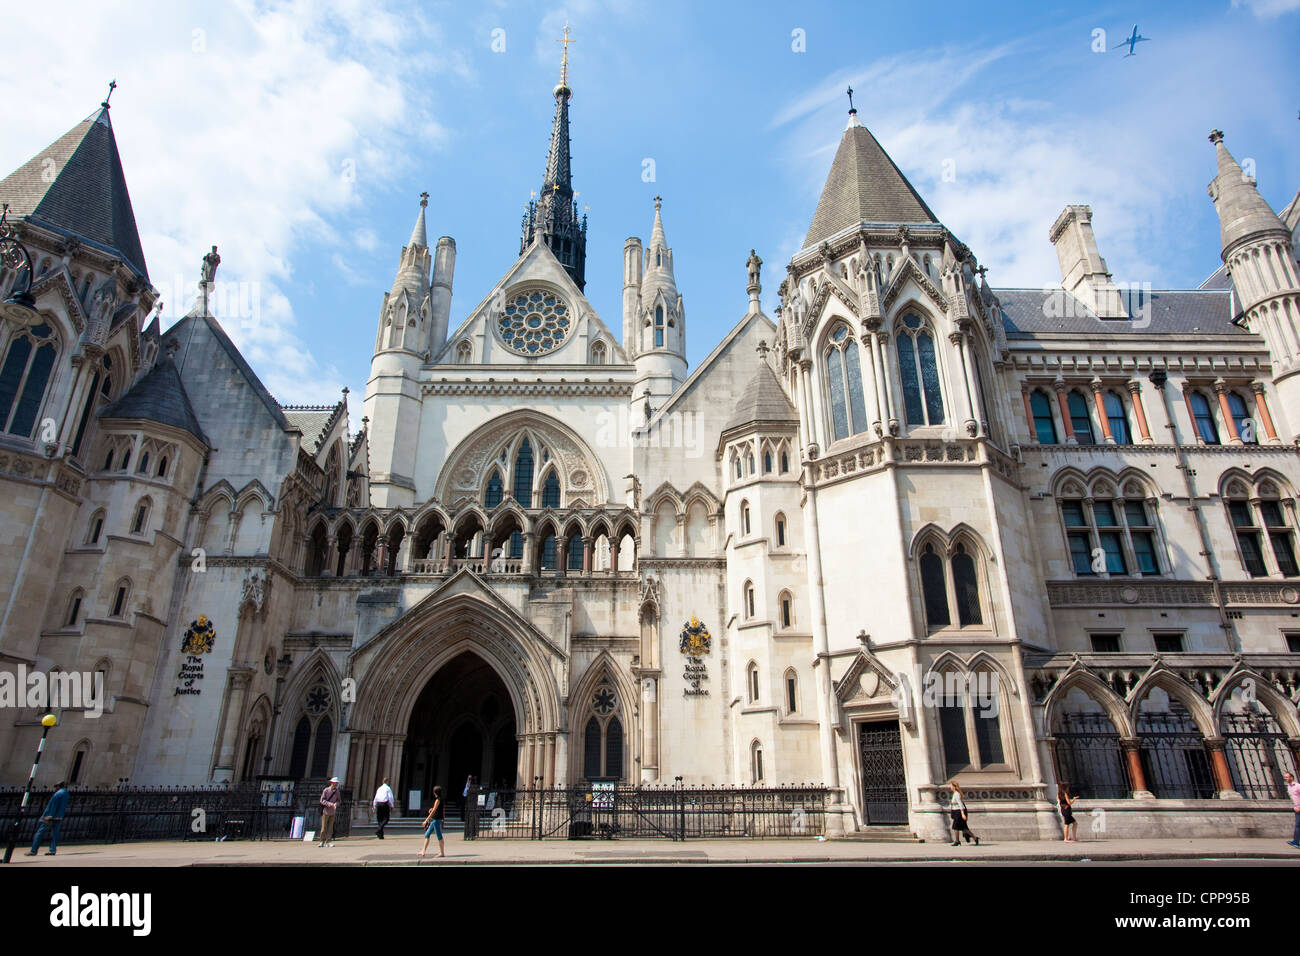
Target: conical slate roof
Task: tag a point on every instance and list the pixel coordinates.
(87, 195)
(864, 185)
(1243, 212)
(158, 397)
(762, 401)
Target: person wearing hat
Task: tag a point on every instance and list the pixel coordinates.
(329, 802)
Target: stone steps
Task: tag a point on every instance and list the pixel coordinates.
(882, 834)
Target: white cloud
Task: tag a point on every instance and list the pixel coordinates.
(1106, 137)
(253, 127)
(1268, 8)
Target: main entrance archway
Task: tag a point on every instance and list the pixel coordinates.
(463, 724)
(409, 694)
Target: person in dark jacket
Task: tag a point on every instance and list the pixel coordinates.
(52, 819)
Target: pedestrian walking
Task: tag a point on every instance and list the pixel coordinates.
(384, 804)
(1064, 801)
(957, 810)
(1293, 788)
(55, 810)
(330, 799)
(433, 823)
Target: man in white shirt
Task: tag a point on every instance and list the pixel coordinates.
(384, 804)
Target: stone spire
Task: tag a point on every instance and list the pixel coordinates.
(1243, 212)
(553, 217)
(420, 235)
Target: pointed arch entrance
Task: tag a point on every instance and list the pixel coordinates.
(400, 728)
(462, 725)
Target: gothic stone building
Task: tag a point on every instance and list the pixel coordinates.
(931, 529)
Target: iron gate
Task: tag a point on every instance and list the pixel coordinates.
(1258, 754)
(1174, 760)
(1089, 759)
(884, 786)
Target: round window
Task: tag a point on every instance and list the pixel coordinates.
(535, 321)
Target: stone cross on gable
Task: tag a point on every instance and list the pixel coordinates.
(982, 271)
(762, 349)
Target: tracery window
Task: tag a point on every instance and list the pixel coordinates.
(551, 491)
(535, 321)
(1117, 418)
(495, 490)
(950, 588)
(1257, 520)
(844, 384)
(523, 490)
(603, 736)
(1080, 420)
(970, 727)
(25, 378)
(918, 367)
(101, 387)
(1114, 534)
(313, 738)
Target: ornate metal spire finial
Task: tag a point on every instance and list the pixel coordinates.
(564, 59)
(852, 108)
(659, 201)
(424, 199)
(112, 85)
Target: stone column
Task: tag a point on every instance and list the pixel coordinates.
(882, 343)
(877, 385)
(1101, 410)
(381, 556)
(1132, 748)
(1261, 406)
(1063, 401)
(1135, 390)
(530, 558)
(586, 555)
(679, 533)
(810, 448)
(1221, 389)
(561, 556)
(549, 773)
(957, 339)
(403, 552)
(1219, 767)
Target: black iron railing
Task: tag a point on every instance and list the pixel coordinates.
(671, 813)
(122, 814)
(1089, 759)
(1258, 755)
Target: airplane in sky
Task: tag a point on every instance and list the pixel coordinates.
(1131, 42)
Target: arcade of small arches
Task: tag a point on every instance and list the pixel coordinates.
(1115, 733)
(502, 540)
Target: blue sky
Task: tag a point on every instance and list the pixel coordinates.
(298, 136)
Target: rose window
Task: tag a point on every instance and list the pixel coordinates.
(534, 322)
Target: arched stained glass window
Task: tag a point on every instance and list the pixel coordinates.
(966, 588)
(495, 492)
(844, 385)
(523, 486)
(24, 377)
(548, 553)
(918, 367)
(551, 491)
(591, 749)
(659, 326)
(614, 748)
(575, 553)
(934, 589)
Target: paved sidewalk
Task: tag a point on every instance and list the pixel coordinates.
(401, 850)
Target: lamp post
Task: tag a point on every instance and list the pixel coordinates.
(48, 721)
(20, 307)
(281, 672)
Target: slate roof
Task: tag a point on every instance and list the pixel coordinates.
(864, 185)
(313, 420)
(1025, 312)
(158, 397)
(180, 330)
(762, 401)
(87, 197)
